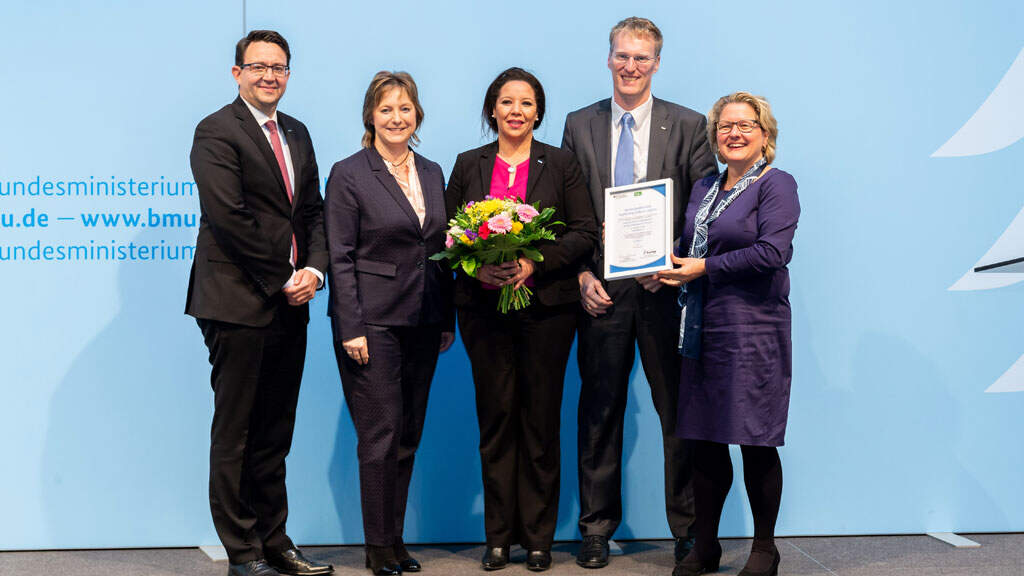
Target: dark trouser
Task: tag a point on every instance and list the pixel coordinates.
(606, 352)
(762, 475)
(387, 398)
(255, 378)
(519, 362)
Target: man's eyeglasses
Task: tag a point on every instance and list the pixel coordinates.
(745, 126)
(642, 60)
(261, 69)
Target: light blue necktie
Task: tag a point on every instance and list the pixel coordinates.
(624, 153)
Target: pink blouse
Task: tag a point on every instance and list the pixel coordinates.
(505, 173)
(500, 188)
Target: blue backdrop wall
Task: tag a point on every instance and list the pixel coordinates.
(898, 122)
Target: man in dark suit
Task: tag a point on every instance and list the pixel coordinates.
(630, 138)
(259, 260)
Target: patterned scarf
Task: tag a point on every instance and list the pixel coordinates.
(691, 295)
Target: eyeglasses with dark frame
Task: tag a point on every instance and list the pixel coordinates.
(745, 126)
(259, 69)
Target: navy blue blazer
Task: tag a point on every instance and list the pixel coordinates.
(379, 271)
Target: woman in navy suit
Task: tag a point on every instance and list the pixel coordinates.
(390, 306)
(519, 358)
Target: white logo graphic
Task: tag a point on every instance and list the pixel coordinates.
(997, 124)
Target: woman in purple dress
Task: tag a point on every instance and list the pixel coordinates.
(735, 334)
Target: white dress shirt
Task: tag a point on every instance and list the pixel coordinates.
(641, 136)
(262, 120)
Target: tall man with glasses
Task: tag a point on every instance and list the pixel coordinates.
(629, 138)
(259, 259)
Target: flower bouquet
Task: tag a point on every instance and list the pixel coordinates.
(494, 231)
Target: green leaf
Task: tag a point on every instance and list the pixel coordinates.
(533, 254)
(469, 266)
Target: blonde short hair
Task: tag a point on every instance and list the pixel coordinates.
(763, 113)
(639, 27)
(382, 82)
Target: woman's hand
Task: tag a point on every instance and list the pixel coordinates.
(357, 350)
(505, 273)
(688, 269)
(524, 269)
(496, 274)
(447, 339)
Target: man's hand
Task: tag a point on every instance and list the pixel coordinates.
(592, 294)
(303, 288)
(357, 350)
(650, 283)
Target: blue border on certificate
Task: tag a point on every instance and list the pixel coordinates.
(663, 262)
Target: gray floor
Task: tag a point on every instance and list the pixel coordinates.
(1000, 554)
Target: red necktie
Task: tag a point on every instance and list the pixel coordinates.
(275, 142)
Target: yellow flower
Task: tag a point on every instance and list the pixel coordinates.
(517, 227)
(465, 240)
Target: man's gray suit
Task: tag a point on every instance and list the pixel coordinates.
(678, 149)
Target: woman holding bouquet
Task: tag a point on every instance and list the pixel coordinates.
(519, 358)
(390, 306)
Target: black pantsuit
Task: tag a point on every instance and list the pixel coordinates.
(519, 359)
(388, 402)
(519, 362)
(605, 353)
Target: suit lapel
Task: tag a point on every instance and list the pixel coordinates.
(433, 196)
(488, 156)
(255, 132)
(294, 151)
(661, 129)
(537, 162)
(388, 182)
(601, 134)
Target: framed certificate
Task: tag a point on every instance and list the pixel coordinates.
(637, 229)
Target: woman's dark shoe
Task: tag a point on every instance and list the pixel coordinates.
(405, 561)
(763, 561)
(495, 558)
(538, 560)
(694, 564)
(381, 561)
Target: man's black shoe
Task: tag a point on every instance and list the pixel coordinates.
(252, 568)
(293, 563)
(495, 558)
(538, 560)
(593, 552)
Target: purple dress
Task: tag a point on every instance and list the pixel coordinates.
(738, 391)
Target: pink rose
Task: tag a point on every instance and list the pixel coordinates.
(449, 241)
(526, 213)
(500, 223)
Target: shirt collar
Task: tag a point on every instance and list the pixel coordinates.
(640, 113)
(260, 117)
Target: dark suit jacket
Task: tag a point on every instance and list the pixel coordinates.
(380, 272)
(555, 181)
(241, 259)
(678, 150)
